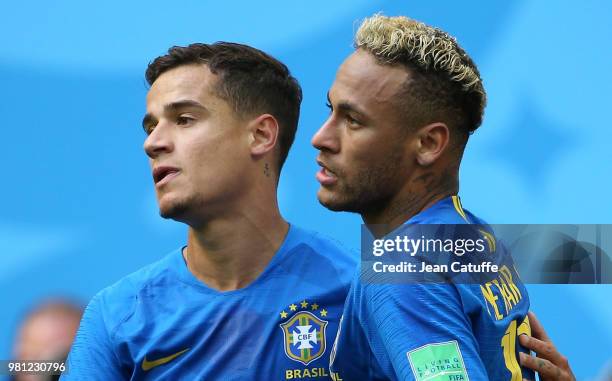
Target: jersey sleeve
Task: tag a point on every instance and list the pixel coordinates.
(424, 332)
(92, 356)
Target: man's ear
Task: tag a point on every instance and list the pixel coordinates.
(432, 140)
(263, 133)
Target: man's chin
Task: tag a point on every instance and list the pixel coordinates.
(173, 211)
(165, 214)
(332, 202)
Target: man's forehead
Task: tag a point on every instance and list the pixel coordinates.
(362, 74)
(373, 89)
(184, 82)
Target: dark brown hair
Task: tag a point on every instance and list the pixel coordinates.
(251, 81)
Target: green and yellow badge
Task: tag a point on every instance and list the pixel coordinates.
(438, 362)
(304, 331)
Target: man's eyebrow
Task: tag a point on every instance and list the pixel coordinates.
(174, 106)
(349, 107)
(346, 106)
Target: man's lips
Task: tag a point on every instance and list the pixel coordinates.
(325, 176)
(163, 174)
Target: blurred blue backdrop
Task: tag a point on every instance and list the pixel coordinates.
(78, 209)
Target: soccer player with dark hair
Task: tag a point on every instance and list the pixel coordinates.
(402, 108)
(249, 297)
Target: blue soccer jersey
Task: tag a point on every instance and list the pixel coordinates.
(162, 323)
(436, 331)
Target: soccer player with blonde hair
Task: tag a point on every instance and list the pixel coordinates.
(403, 106)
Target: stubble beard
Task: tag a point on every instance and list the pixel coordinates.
(371, 190)
(173, 212)
(177, 210)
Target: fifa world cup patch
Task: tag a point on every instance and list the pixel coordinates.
(438, 362)
(304, 331)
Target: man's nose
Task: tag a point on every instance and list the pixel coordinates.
(159, 141)
(326, 139)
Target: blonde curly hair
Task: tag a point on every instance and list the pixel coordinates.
(449, 80)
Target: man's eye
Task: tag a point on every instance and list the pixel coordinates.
(352, 121)
(182, 120)
(149, 129)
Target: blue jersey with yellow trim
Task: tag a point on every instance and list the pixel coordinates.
(433, 332)
(163, 323)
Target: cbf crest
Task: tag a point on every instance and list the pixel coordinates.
(304, 332)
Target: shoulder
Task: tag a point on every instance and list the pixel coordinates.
(323, 253)
(448, 211)
(325, 246)
(117, 302)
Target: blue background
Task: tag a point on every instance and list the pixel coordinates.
(78, 209)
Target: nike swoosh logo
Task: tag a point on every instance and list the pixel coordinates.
(148, 365)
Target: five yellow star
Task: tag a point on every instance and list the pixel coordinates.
(293, 307)
(304, 304)
(323, 312)
(283, 315)
(314, 306)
